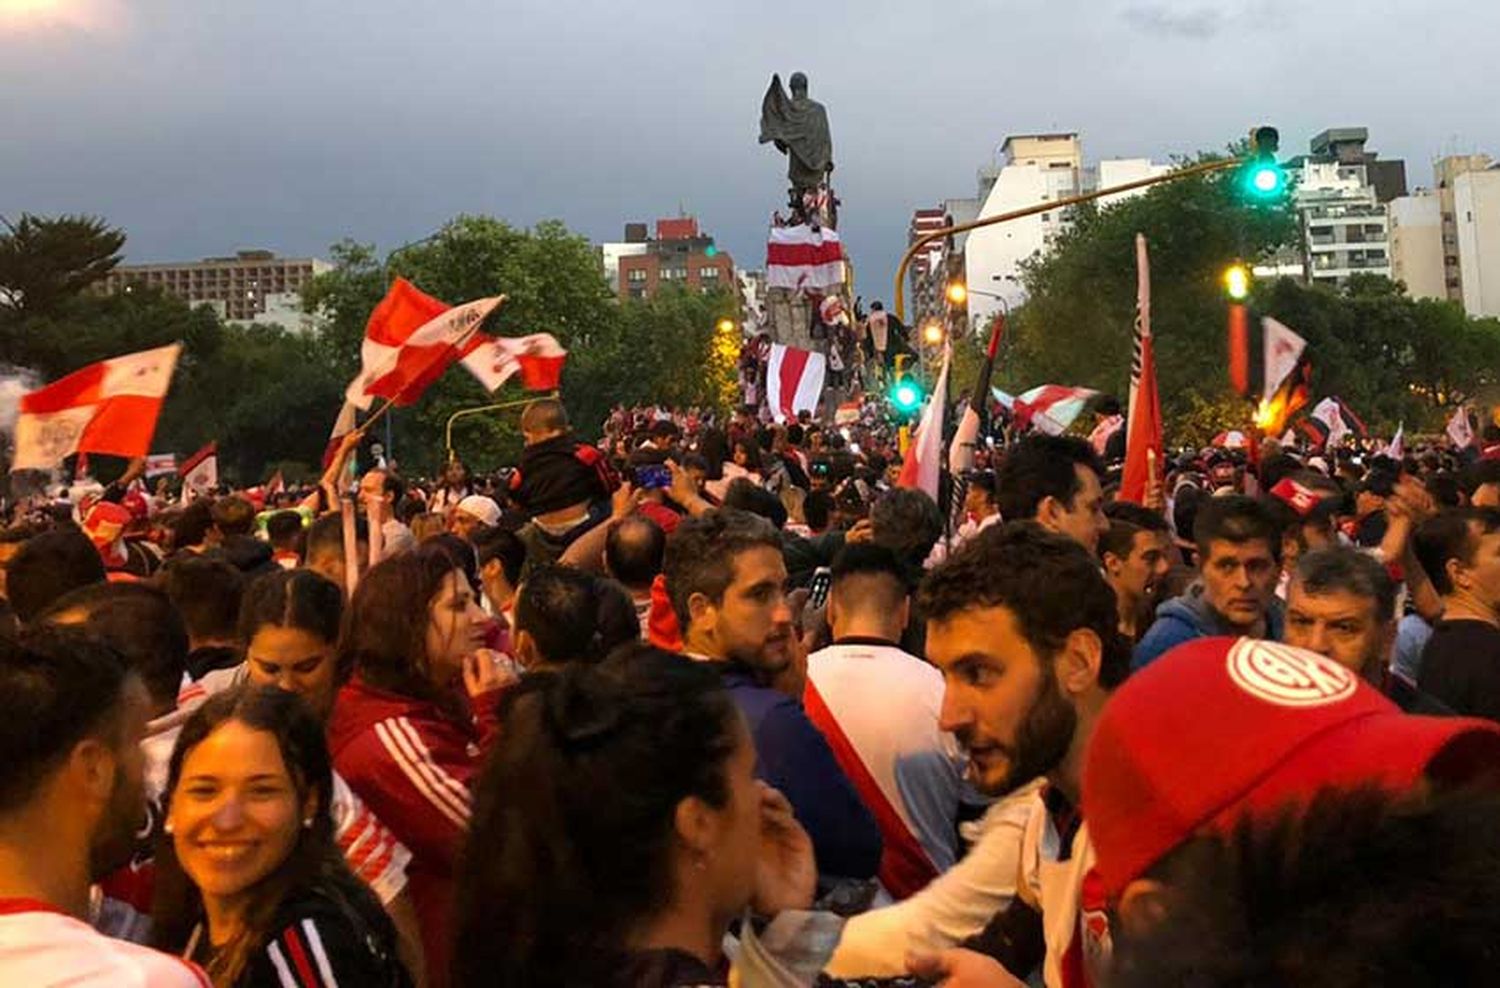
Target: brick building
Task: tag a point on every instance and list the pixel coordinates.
(679, 253)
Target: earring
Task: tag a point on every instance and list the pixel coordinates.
(167, 828)
(307, 824)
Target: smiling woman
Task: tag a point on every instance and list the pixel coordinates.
(249, 878)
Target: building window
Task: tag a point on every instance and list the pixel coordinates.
(636, 274)
(708, 273)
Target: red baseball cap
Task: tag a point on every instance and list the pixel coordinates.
(1221, 727)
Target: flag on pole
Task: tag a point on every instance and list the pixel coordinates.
(924, 459)
(110, 407)
(1397, 448)
(537, 358)
(401, 367)
(801, 257)
(794, 381)
(342, 426)
(1143, 437)
(1287, 375)
(200, 471)
(158, 464)
(966, 437)
(1459, 429)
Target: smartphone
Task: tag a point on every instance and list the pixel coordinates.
(817, 590)
(657, 476)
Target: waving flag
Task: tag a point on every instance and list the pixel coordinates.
(794, 381)
(201, 470)
(1287, 374)
(1459, 429)
(401, 355)
(495, 359)
(1143, 438)
(800, 257)
(109, 407)
(924, 459)
(1051, 408)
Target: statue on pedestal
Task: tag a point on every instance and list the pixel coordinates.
(798, 126)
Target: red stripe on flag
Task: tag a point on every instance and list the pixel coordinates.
(793, 363)
(404, 309)
(79, 388)
(541, 373)
(123, 426)
(797, 255)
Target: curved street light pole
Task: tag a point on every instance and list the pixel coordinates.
(1202, 168)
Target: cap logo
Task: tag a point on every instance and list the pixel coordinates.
(1286, 676)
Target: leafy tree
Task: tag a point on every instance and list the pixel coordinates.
(44, 262)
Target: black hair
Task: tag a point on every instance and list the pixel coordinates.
(192, 525)
(207, 590)
(744, 494)
(1351, 890)
(48, 566)
(233, 515)
(326, 534)
(315, 861)
(1049, 583)
(633, 551)
(1477, 474)
(1449, 535)
(752, 452)
(1039, 467)
(1125, 520)
(138, 621)
(596, 759)
(907, 521)
(61, 685)
(283, 529)
(297, 598)
(701, 553)
(816, 509)
(503, 545)
(1341, 568)
(864, 561)
(1236, 519)
(560, 608)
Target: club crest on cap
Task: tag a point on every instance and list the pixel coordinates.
(1286, 676)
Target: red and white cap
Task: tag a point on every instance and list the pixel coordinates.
(1221, 728)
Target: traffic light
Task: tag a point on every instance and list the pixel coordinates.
(1237, 282)
(710, 251)
(906, 396)
(1262, 179)
(958, 292)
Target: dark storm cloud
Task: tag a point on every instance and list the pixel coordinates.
(202, 127)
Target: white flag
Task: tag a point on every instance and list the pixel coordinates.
(1397, 449)
(1459, 429)
(1329, 413)
(1283, 350)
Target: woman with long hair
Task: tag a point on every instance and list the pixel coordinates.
(250, 883)
(619, 830)
(412, 723)
(289, 629)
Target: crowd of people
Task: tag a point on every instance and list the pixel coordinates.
(717, 700)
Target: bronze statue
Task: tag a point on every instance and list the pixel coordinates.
(798, 126)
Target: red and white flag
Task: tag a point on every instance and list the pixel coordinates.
(200, 471)
(158, 464)
(410, 340)
(800, 257)
(1143, 438)
(342, 426)
(1283, 348)
(110, 407)
(794, 381)
(1050, 408)
(537, 358)
(1459, 429)
(924, 458)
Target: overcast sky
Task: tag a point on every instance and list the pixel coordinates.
(203, 126)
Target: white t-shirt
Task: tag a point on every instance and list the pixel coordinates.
(887, 703)
(41, 947)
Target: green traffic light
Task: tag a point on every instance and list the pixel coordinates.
(1265, 180)
(710, 251)
(906, 396)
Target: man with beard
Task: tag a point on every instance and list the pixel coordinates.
(1136, 554)
(727, 583)
(1024, 629)
(71, 799)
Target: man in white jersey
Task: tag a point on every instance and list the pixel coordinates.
(70, 803)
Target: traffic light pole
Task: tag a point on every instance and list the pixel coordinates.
(1202, 168)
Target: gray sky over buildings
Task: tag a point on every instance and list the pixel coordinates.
(203, 126)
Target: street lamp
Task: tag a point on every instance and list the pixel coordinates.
(932, 333)
(726, 325)
(958, 292)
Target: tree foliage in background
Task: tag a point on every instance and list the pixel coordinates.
(45, 262)
(1391, 357)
